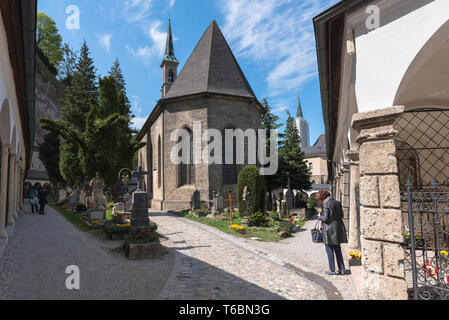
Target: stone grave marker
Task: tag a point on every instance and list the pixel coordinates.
(83, 196)
(62, 196)
(97, 210)
(196, 200)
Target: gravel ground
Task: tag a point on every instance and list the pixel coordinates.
(42, 247)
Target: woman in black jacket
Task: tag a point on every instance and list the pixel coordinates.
(334, 231)
(42, 200)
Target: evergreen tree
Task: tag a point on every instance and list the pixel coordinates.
(81, 91)
(49, 155)
(270, 122)
(292, 166)
(67, 65)
(105, 146)
(117, 73)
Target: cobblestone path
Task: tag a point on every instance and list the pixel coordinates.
(214, 265)
(34, 264)
(200, 263)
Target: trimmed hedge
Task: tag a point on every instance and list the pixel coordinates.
(250, 176)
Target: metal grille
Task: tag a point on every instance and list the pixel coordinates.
(422, 151)
(423, 148)
(427, 242)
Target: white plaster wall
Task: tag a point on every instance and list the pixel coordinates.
(384, 55)
(8, 90)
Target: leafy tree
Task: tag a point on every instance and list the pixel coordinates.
(48, 38)
(81, 91)
(292, 166)
(49, 155)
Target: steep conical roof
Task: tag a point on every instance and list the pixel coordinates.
(213, 68)
(169, 47)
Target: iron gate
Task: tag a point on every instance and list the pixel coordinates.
(427, 241)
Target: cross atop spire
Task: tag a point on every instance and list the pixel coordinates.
(299, 113)
(169, 47)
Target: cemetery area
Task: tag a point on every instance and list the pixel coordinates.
(247, 216)
(89, 210)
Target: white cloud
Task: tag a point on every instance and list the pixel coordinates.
(144, 53)
(172, 3)
(136, 108)
(157, 36)
(136, 10)
(278, 35)
(138, 122)
(105, 41)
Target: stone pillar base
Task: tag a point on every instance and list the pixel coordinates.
(383, 274)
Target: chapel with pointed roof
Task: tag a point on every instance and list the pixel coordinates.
(212, 89)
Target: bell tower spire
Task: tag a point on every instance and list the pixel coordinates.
(169, 63)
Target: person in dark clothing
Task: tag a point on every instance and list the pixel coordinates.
(42, 200)
(334, 231)
(34, 201)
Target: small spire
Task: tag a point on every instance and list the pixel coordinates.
(299, 113)
(169, 47)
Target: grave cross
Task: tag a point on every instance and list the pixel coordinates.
(139, 174)
(230, 201)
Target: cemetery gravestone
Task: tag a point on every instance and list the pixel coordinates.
(97, 210)
(196, 200)
(62, 196)
(288, 198)
(82, 198)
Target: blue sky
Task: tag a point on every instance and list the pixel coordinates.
(273, 41)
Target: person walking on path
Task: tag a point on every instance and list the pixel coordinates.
(334, 231)
(42, 200)
(34, 201)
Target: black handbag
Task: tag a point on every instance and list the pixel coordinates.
(317, 233)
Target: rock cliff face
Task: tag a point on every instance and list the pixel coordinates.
(49, 93)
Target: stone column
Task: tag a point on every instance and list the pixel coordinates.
(4, 188)
(337, 187)
(354, 227)
(16, 190)
(345, 193)
(12, 190)
(383, 275)
(22, 184)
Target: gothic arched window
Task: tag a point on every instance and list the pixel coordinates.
(171, 76)
(186, 171)
(159, 162)
(230, 171)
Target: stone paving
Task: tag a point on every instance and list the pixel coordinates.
(42, 247)
(200, 263)
(235, 268)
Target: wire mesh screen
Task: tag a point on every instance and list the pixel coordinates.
(423, 148)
